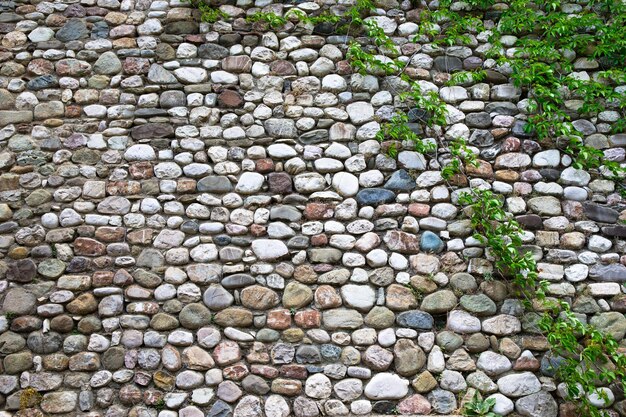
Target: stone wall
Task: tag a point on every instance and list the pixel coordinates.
(196, 220)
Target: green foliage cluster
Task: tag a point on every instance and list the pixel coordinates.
(583, 358)
(477, 407)
(208, 13)
(543, 37)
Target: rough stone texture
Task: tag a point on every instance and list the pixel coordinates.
(197, 218)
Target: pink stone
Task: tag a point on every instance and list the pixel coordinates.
(415, 404)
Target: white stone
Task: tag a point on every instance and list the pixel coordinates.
(386, 386)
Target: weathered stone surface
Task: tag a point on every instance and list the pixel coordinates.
(217, 218)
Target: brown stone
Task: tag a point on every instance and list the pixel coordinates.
(280, 182)
(88, 247)
(264, 371)
(308, 319)
(400, 298)
(141, 170)
(140, 237)
(318, 211)
(419, 210)
(293, 371)
(402, 242)
(83, 304)
(279, 319)
(230, 99)
(483, 170)
(288, 387)
(259, 298)
(319, 240)
(237, 64)
(234, 317)
(135, 66)
(282, 68)
(327, 297)
(110, 234)
(264, 165)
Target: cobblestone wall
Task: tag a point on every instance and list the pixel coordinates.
(196, 220)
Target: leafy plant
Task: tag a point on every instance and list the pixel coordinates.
(208, 13)
(272, 19)
(398, 129)
(477, 407)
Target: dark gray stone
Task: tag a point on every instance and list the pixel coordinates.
(214, 184)
(599, 213)
(415, 320)
(73, 29)
(400, 181)
(448, 64)
(375, 196)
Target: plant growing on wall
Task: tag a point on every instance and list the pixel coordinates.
(536, 41)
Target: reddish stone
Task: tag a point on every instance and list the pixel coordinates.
(227, 352)
(135, 66)
(257, 230)
(264, 371)
(186, 185)
(140, 237)
(142, 378)
(84, 246)
(293, 371)
(73, 111)
(130, 394)
(237, 64)
(323, 267)
(319, 240)
(264, 165)
(279, 319)
(236, 372)
(72, 67)
(110, 97)
(141, 170)
(308, 319)
(344, 68)
(152, 396)
(195, 38)
(102, 278)
(511, 144)
(282, 68)
(230, 99)
(318, 211)
(327, 297)
(402, 242)
(573, 209)
(123, 187)
(39, 66)
(419, 210)
(122, 277)
(110, 234)
(415, 404)
(280, 182)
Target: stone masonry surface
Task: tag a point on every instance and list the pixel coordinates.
(196, 220)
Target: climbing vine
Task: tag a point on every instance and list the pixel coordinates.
(536, 42)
